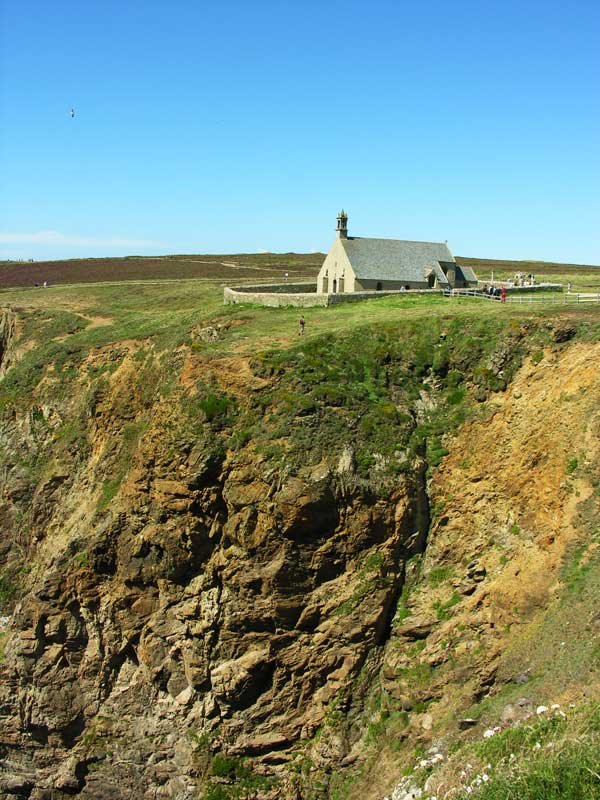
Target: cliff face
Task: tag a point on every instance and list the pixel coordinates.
(215, 569)
(8, 324)
(501, 616)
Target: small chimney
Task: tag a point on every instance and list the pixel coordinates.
(342, 225)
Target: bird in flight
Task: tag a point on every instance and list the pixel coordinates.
(72, 112)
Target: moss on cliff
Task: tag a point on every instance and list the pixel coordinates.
(391, 392)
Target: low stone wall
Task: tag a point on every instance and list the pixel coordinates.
(538, 287)
(304, 295)
(306, 287)
(274, 299)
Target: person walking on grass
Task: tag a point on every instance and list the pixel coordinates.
(302, 324)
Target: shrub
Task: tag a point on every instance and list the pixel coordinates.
(537, 356)
(442, 609)
(572, 465)
(7, 590)
(438, 575)
(214, 406)
(216, 793)
(224, 767)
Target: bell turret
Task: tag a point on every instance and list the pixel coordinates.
(342, 225)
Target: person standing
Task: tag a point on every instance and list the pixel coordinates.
(302, 324)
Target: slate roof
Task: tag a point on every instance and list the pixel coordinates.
(468, 273)
(395, 259)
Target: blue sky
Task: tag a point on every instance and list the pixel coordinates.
(245, 126)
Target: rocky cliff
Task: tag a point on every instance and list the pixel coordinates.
(8, 323)
(278, 577)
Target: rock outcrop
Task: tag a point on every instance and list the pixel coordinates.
(215, 608)
(8, 325)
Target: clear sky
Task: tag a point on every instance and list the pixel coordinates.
(244, 126)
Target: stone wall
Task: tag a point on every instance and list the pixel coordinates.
(538, 287)
(273, 298)
(306, 287)
(303, 295)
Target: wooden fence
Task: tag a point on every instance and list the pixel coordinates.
(553, 297)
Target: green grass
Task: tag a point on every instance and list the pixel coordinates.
(549, 759)
(569, 774)
(418, 674)
(131, 433)
(166, 312)
(8, 590)
(581, 569)
(225, 767)
(442, 608)
(242, 782)
(439, 575)
(572, 465)
(327, 390)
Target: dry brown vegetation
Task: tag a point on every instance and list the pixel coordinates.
(258, 267)
(541, 267)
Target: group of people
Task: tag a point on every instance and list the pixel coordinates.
(522, 279)
(493, 291)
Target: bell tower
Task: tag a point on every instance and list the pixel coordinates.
(342, 225)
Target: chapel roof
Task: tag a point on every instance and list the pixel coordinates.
(395, 259)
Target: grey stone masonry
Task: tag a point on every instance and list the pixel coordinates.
(303, 295)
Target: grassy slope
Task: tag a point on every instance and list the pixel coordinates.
(168, 311)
